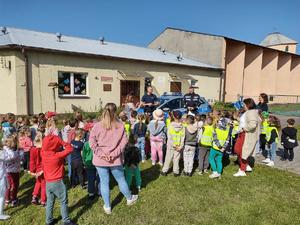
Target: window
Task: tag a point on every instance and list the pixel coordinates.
(173, 104)
(287, 48)
(72, 84)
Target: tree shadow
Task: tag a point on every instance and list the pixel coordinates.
(149, 175)
(280, 152)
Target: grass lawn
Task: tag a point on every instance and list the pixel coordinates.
(267, 196)
(285, 109)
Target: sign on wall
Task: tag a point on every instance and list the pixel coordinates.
(106, 79)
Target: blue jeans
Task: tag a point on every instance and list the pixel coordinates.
(93, 180)
(56, 190)
(141, 145)
(69, 161)
(272, 151)
(118, 173)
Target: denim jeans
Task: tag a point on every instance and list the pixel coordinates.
(141, 145)
(93, 180)
(272, 151)
(69, 161)
(118, 173)
(56, 190)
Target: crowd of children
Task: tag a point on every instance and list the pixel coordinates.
(41, 149)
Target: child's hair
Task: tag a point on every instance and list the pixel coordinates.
(73, 122)
(10, 117)
(66, 122)
(34, 120)
(209, 120)
(78, 116)
(123, 118)
(11, 141)
(79, 133)
(133, 114)
(42, 128)
(132, 155)
(170, 115)
(140, 118)
(190, 119)
(273, 120)
(26, 121)
(177, 115)
(51, 123)
(291, 122)
(38, 139)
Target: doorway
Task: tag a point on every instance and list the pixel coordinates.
(130, 87)
(175, 86)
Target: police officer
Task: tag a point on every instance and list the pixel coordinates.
(191, 100)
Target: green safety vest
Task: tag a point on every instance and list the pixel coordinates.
(235, 128)
(176, 135)
(264, 127)
(269, 131)
(222, 136)
(168, 121)
(127, 126)
(207, 136)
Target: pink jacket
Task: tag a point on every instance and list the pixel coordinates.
(108, 143)
(25, 143)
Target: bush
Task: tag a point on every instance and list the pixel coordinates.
(228, 106)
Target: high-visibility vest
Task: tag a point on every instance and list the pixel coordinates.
(168, 121)
(176, 135)
(127, 126)
(222, 136)
(207, 136)
(264, 127)
(235, 128)
(184, 124)
(269, 132)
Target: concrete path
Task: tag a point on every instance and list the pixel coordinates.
(293, 166)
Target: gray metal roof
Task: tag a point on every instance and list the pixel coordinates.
(49, 41)
(277, 39)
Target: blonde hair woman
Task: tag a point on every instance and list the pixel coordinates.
(108, 140)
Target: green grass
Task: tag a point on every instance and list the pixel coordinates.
(266, 196)
(298, 133)
(285, 109)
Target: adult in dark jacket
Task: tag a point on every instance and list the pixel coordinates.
(289, 140)
(191, 100)
(263, 102)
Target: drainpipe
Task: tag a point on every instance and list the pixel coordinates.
(24, 53)
(224, 84)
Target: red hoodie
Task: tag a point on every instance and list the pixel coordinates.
(35, 164)
(53, 157)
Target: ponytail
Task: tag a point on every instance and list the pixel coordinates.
(109, 115)
(156, 124)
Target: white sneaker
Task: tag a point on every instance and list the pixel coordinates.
(133, 199)
(143, 161)
(4, 217)
(267, 160)
(240, 173)
(160, 163)
(153, 163)
(214, 175)
(248, 169)
(271, 164)
(107, 210)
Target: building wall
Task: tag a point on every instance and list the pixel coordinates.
(44, 68)
(291, 47)
(202, 47)
(7, 82)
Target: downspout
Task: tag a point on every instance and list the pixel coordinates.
(224, 84)
(220, 88)
(24, 53)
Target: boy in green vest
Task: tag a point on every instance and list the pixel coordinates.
(175, 144)
(220, 141)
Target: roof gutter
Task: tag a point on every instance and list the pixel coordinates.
(24, 53)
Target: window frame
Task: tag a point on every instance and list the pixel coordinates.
(72, 87)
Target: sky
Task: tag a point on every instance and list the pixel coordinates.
(138, 22)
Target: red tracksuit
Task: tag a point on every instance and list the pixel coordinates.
(35, 167)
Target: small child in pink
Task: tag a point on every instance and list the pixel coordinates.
(25, 144)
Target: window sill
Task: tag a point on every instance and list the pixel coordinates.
(73, 97)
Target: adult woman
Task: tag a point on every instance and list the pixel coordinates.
(248, 138)
(108, 140)
(263, 102)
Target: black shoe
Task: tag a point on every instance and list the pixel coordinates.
(283, 159)
(163, 174)
(91, 197)
(176, 174)
(185, 174)
(190, 174)
(291, 160)
(70, 223)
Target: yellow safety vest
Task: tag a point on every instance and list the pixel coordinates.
(269, 132)
(235, 128)
(127, 126)
(207, 136)
(168, 121)
(264, 127)
(184, 124)
(176, 135)
(222, 136)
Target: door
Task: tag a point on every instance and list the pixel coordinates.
(130, 87)
(175, 86)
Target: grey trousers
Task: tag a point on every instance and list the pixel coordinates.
(188, 158)
(203, 158)
(171, 156)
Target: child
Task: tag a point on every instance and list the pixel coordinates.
(53, 168)
(289, 140)
(219, 144)
(264, 128)
(91, 172)
(175, 144)
(8, 126)
(139, 132)
(272, 140)
(205, 145)
(25, 144)
(190, 143)
(77, 165)
(65, 130)
(132, 160)
(13, 169)
(133, 119)
(5, 157)
(126, 123)
(158, 130)
(73, 123)
(37, 171)
(20, 123)
(34, 127)
(51, 126)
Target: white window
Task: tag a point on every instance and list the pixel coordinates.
(72, 84)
